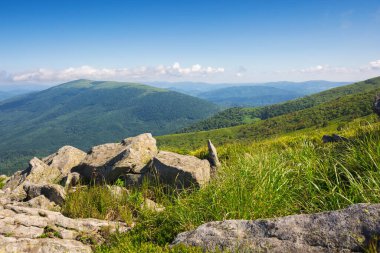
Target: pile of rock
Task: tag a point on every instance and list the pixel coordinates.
(31, 199)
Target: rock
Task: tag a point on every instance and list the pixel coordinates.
(181, 171)
(110, 161)
(40, 202)
(151, 205)
(37, 172)
(213, 156)
(65, 159)
(22, 229)
(52, 192)
(347, 230)
(133, 179)
(72, 179)
(43, 245)
(333, 138)
(117, 191)
(376, 105)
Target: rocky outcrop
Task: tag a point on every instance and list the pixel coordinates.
(40, 202)
(108, 162)
(31, 199)
(24, 229)
(65, 159)
(182, 171)
(347, 230)
(45, 245)
(38, 172)
(52, 192)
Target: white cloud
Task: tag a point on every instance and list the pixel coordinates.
(375, 64)
(88, 72)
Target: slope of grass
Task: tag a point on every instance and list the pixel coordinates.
(239, 116)
(340, 110)
(84, 113)
(291, 174)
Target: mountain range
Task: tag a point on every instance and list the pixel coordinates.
(83, 113)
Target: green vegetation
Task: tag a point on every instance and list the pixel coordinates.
(270, 168)
(291, 174)
(2, 182)
(239, 116)
(249, 95)
(84, 113)
(340, 110)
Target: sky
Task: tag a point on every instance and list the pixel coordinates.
(235, 41)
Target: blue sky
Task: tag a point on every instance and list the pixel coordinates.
(213, 41)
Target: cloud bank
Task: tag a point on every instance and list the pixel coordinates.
(88, 72)
(196, 72)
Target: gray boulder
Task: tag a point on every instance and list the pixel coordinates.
(110, 161)
(65, 159)
(348, 230)
(178, 170)
(38, 172)
(52, 192)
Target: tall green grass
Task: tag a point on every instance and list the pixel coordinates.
(283, 176)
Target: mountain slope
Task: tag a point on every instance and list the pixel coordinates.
(84, 113)
(239, 116)
(249, 96)
(336, 108)
(196, 88)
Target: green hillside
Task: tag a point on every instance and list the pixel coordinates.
(335, 107)
(84, 113)
(249, 96)
(239, 116)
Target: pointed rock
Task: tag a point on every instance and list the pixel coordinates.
(213, 155)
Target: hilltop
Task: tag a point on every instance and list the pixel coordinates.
(83, 113)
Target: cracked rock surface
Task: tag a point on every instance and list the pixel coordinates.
(25, 229)
(347, 230)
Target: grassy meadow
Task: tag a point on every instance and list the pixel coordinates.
(289, 173)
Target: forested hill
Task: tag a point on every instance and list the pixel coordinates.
(249, 95)
(238, 116)
(84, 113)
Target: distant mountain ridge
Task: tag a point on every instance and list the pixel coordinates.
(196, 88)
(249, 96)
(84, 113)
(239, 116)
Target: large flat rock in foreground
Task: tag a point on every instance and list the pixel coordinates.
(349, 230)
